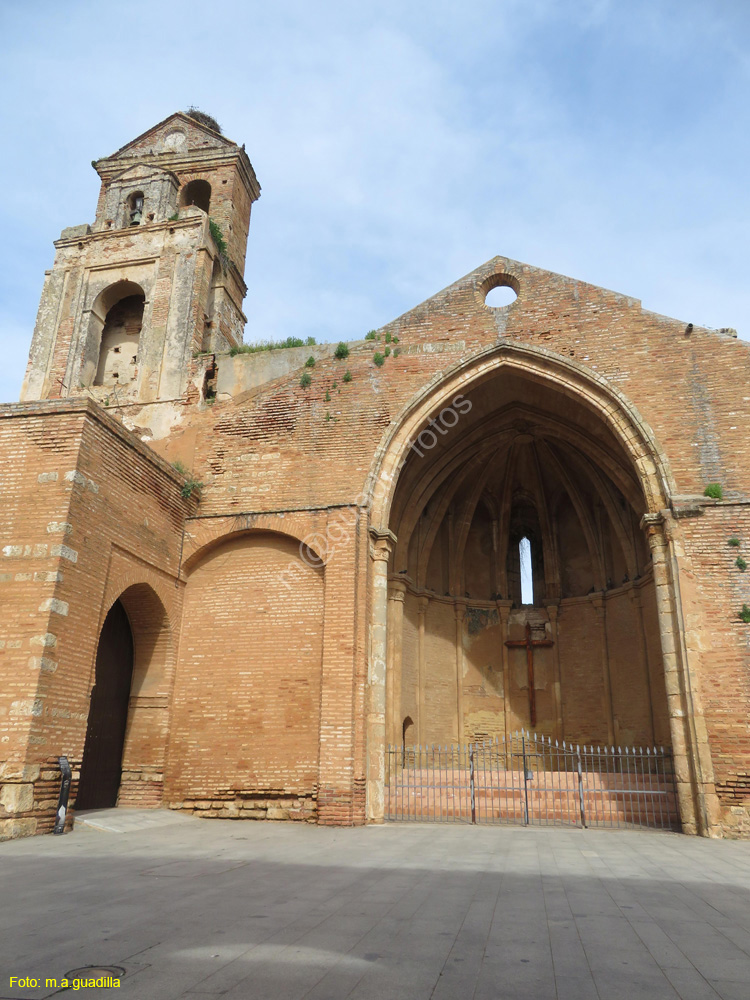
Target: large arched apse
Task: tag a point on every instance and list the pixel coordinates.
(521, 591)
(246, 720)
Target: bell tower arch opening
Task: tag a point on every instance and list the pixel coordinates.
(197, 193)
(118, 314)
(135, 208)
(550, 474)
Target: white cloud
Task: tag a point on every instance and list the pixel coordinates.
(401, 145)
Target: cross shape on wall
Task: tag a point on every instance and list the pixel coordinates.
(529, 645)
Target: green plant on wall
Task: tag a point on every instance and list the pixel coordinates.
(310, 363)
(379, 359)
(371, 335)
(745, 614)
(342, 351)
(191, 484)
(270, 345)
(305, 381)
(221, 244)
(714, 491)
(347, 376)
(740, 564)
(218, 237)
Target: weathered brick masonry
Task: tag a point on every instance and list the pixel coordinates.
(90, 514)
(348, 573)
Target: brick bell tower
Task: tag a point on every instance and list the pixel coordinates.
(157, 279)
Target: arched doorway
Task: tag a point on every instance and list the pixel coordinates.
(101, 768)
(517, 443)
(124, 753)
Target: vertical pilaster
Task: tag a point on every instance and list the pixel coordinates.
(396, 597)
(381, 546)
(422, 606)
(601, 617)
(699, 806)
(460, 610)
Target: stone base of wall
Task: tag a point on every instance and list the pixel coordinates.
(302, 808)
(28, 799)
(735, 822)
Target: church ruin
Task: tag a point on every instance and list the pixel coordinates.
(230, 581)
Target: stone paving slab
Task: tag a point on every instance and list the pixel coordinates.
(260, 911)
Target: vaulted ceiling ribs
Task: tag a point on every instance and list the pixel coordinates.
(585, 499)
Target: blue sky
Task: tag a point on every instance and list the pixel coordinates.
(400, 145)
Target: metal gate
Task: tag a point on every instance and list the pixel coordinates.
(529, 779)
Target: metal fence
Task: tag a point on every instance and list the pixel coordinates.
(529, 779)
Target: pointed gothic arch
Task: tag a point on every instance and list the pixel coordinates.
(579, 441)
(125, 748)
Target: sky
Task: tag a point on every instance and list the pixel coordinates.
(400, 145)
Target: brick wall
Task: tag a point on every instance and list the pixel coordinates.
(89, 512)
(246, 719)
(281, 451)
(716, 589)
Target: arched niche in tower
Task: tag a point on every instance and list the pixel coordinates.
(114, 335)
(134, 209)
(197, 193)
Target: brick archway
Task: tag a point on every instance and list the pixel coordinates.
(643, 473)
(148, 707)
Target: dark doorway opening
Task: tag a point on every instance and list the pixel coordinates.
(101, 768)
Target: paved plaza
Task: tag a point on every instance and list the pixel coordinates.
(207, 909)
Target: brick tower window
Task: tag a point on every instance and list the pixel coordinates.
(197, 193)
(135, 208)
